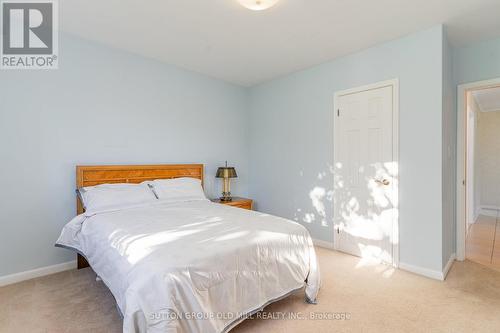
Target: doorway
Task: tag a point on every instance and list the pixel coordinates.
(478, 173)
(366, 172)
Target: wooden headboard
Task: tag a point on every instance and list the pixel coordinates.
(108, 174)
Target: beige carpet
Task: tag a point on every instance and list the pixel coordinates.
(376, 298)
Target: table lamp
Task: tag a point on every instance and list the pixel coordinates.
(226, 173)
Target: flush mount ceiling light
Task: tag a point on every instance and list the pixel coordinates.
(258, 4)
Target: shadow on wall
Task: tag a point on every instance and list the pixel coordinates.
(363, 208)
(320, 198)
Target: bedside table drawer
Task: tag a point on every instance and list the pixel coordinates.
(237, 202)
(244, 205)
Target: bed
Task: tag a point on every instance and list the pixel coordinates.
(189, 265)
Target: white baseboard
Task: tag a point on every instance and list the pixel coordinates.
(42, 271)
(476, 214)
(489, 210)
(437, 275)
(324, 244)
(490, 207)
(447, 268)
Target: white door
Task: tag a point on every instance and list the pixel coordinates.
(366, 172)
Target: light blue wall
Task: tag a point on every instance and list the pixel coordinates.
(291, 142)
(106, 106)
(102, 107)
(449, 154)
(477, 62)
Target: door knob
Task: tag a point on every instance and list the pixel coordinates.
(384, 182)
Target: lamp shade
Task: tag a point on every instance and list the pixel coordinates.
(226, 172)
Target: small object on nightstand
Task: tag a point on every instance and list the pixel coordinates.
(237, 202)
(226, 173)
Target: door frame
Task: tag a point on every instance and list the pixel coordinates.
(461, 195)
(394, 83)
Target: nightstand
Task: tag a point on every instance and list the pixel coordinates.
(237, 202)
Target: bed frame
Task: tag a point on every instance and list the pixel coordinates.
(109, 174)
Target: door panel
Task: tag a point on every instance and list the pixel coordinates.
(365, 174)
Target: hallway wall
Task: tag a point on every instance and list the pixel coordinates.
(488, 136)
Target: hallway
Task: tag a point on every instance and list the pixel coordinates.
(483, 241)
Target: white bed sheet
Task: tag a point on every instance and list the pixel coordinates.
(194, 266)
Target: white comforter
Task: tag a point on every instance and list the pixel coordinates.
(193, 266)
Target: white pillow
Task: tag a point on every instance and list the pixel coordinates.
(107, 197)
(178, 189)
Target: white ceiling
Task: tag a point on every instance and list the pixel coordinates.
(488, 99)
(222, 39)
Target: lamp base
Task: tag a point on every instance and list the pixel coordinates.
(226, 196)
